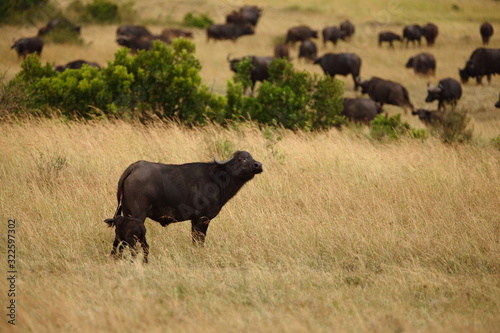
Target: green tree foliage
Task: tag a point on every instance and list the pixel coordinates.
(392, 128)
(13, 11)
(202, 21)
(101, 11)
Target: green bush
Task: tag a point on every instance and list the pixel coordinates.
(392, 128)
(24, 11)
(202, 21)
(454, 127)
(101, 11)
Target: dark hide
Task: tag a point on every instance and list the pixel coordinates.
(128, 231)
(430, 31)
(388, 36)
(228, 31)
(260, 68)
(300, 34)
(332, 34)
(133, 31)
(308, 50)
(429, 117)
(386, 92)
(422, 63)
(348, 28)
(412, 33)
(486, 31)
(76, 64)
(341, 64)
(360, 110)
(169, 193)
(448, 91)
(281, 51)
(25, 46)
(483, 61)
(246, 14)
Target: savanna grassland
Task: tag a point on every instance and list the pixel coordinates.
(340, 233)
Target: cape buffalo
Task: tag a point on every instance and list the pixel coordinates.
(25, 46)
(448, 91)
(497, 104)
(348, 28)
(128, 231)
(308, 50)
(169, 193)
(300, 33)
(430, 32)
(133, 31)
(360, 110)
(60, 23)
(486, 31)
(76, 64)
(388, 36)
(281, 51)
(429, 117)
(422, 63)
(246, 14)
(341, 64)
(386, 92)
(333, 34)
(260, 68)
(482, 62)
(228, 31)
(412, 33)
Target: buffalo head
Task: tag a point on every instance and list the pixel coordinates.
(241, 165)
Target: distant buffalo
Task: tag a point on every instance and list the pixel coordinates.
(133, 31)
(386, 92)
(60, 23)
(422, 63)
(260, 68)
(482, 62)
(169, 193)
(281, 51)
(25, 46)
(229, 31)
(429, 117)
(332, 34)
(300, 33)
(308, 50)
(341, 64)
(140, 43)
(412, 33)
(348, 28)
(388, 36)
(448, 91)
(76, 64)
(430, 31)
(246, 14)
(486, 31)
(360, 110)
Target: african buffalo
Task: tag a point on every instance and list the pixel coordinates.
(429, 117)
(448, 91)
(60, 23)
(386, 92)
(25, 46)
(246, 14)
(348, 28)
(388, 36)
(128, 231)
(76, 64)
(169, 193)
(281, 51)
(483, 61)
(412, 33)
(341, 64)
(430, 32)
(360, 110)
(229, 31)
(260, 68)
(422, 63)
(308, 50)
(497, 104)
(332, 34)
(133, 31)
(486, 31)
(299, 34)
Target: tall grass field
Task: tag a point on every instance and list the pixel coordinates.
(340, 233)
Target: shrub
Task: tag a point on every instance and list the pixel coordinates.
(453, 127)
(392, 128)
(202, 21)
(101, 11)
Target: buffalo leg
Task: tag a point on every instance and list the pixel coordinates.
(199, 230)
(145, 248)
(114, 251)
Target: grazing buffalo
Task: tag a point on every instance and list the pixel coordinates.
(497, 104)
(229, 31)
(412, 33)
(169, 193)
(135, 43)
(422, 63)
(76, 64)
(430, 32)
(133, 31)
(246, 14)
(308, 50)
(173, 33)
(429, 117)
(360, 110)
(25, 46)
(341, 64)
(348, 28)
(388, 36)
(386, 92)
(486, 31)
(482, 62)
(448, 91)
(300, 34)
(281, 51)
(332, 34)
(59, 24)
(260, 68)
(128, 231)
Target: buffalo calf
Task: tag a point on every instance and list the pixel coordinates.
(429, 117)
(388, 36)
(448, 91)
(128, 231)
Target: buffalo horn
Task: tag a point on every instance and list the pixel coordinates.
(434, 89)
(223, 162)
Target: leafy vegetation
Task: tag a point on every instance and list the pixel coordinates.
(201, 21)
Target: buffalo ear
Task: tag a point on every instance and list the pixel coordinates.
(110, 222)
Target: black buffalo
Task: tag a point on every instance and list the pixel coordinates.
(229, 31)
(140, 43)
(76, 64)
(341, 64)
(128, 231)
(412, 33)
(348, 28)
(386, 92)
(483, 61)
(308, 50)
(486, 31)
(333, 34)
(422, 63)
(25, 46)
(133, 31)
(281, 51)
(448, 91)
(169, 193)
(388, 36)
(497, 104)
(429, 117)
(60, 23)
(430, 31)
(260, 67)
(360, 110)
(246, 14)
(300, 33)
